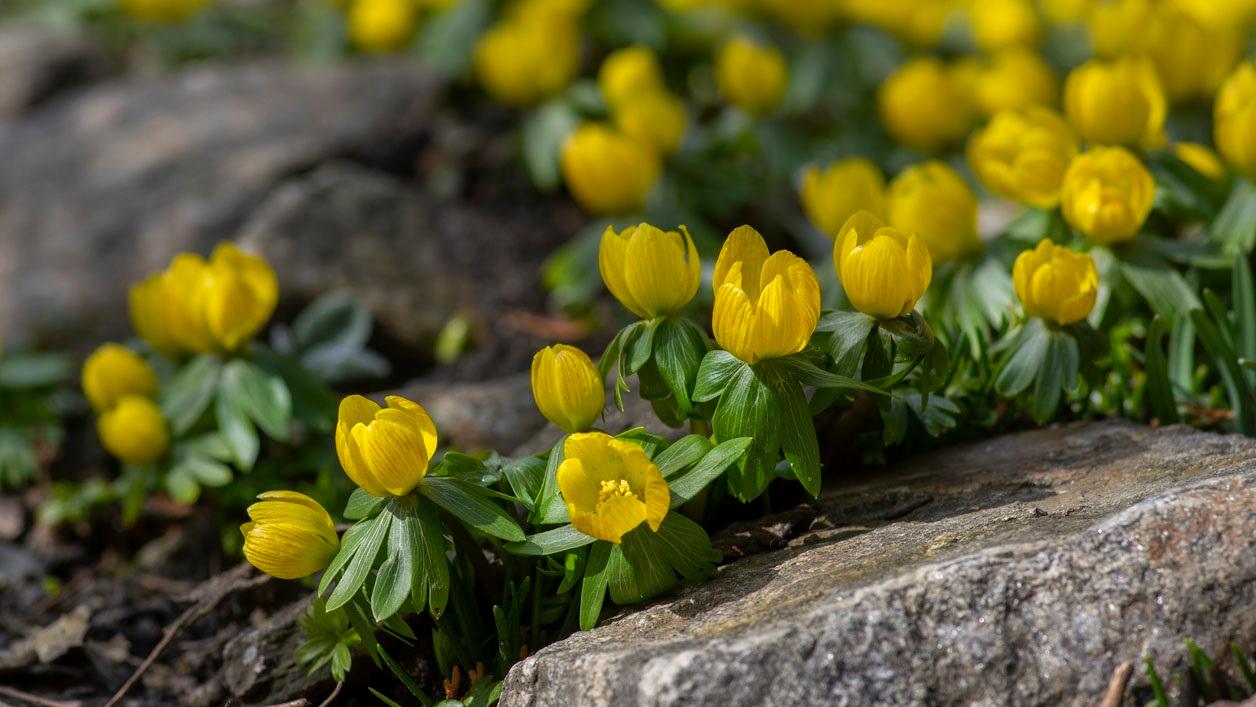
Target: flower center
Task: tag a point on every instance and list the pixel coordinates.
(619, 487)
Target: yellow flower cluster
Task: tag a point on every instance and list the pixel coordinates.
(1022, 155)
(121, 387)
(532, 53)
(199, 306)
(640, 104)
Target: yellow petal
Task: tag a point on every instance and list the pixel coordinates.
(744, 245)
(613, 264)
(657, 272)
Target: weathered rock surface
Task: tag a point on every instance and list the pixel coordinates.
(100, 186)
(1021, 570)
(35, 63)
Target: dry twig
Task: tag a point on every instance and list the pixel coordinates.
(1116, 687)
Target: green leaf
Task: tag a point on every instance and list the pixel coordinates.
(185, 397)
(640, 348)
(681, 454)
(27, 371)
(613, 360)
(847, 332)
(262, 396)
(1058, 373)
(714, 373)
(433, 562)
(238, 432)
(1239, 393)
(206, 471)
(362, 504)
(1159, 387)
(712, 465)
(549, 485)
(334, 320)
(748, 408)
(544, 131)
(1028, 346)
(447, 40)
(364, 554)
(798, 433)
(636, 570)
(398, 571)
(1243, 293)
(593, 587)
(1235, 227)
(182, 487)
(678, 351)
(807, 373)
(467, 502)
(551, 542)
(525, 475)
(1162, 286)
(685, 546)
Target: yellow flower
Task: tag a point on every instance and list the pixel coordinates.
(113, 371)
(921, 23)
(924, 106)
(652, 273)
(1191, 58)
(1115, 26)
(1055, 283)
(567, 387)
(1202, 159)
(1022, 155)
(385, 451)
(1107, 194)
(999, 24)
(382, 25)
(527, 58)
(656, 119)
(830, 195)
(629, 73)
(1234, 120)
(883, 271)
(198, 306)
(161, 10)
(133, 430)
(289, 535)
(934, 202)
(751, 76)
(1116, 103)
(1013, 79)
(1225, 14)
(607, 171)
(610, 486)
(766, 306)
(1066, 11)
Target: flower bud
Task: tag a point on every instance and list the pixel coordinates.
(1000, 24)
(133, 430)
(1055, 283)
(1116, 103)
(1234, 120)
(610, 486)
(381, 25)
(629, 73)
(766, 305)
(656, 119)
(832, 194)
(1107, 194)
(527, 58)
(113, 371)
(289, 535)
(1022, 155)
(752, 76)
(567, 387)
(934, 202)
(924, 106)
(652, 273)
(883, 271)
(385, 451)
(607, 171)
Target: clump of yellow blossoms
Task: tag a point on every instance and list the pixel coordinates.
(1022, 155)
(934, 202)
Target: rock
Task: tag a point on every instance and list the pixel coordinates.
(48, 643)
(36, 63)
(101, 186)
(258, 665)
(1020, 570)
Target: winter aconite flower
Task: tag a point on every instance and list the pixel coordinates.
(1055, 283)
(1201, 158)
(133, 430)
(1234, 120)
(382, 25)
(528, 57)
(830, 195)
(657, 119)
(1192, 59)
(113, 371)
(999, 24)
(607, 171)
(925, 106)
(289, 535)
(651, 272)
(1119, 102)
(198, 306)
(385, 451)
(766, 305)
(629, 73)
(751, 76)
(934, 202)
(1107, 194)
(883, 271)
(1013, 79)
(567, 387)
(610, 486)
(1022, 155)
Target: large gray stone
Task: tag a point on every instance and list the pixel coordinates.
(98, 187)
(36, 63)
(1021, 570)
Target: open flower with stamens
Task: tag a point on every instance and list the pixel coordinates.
(610, 486)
